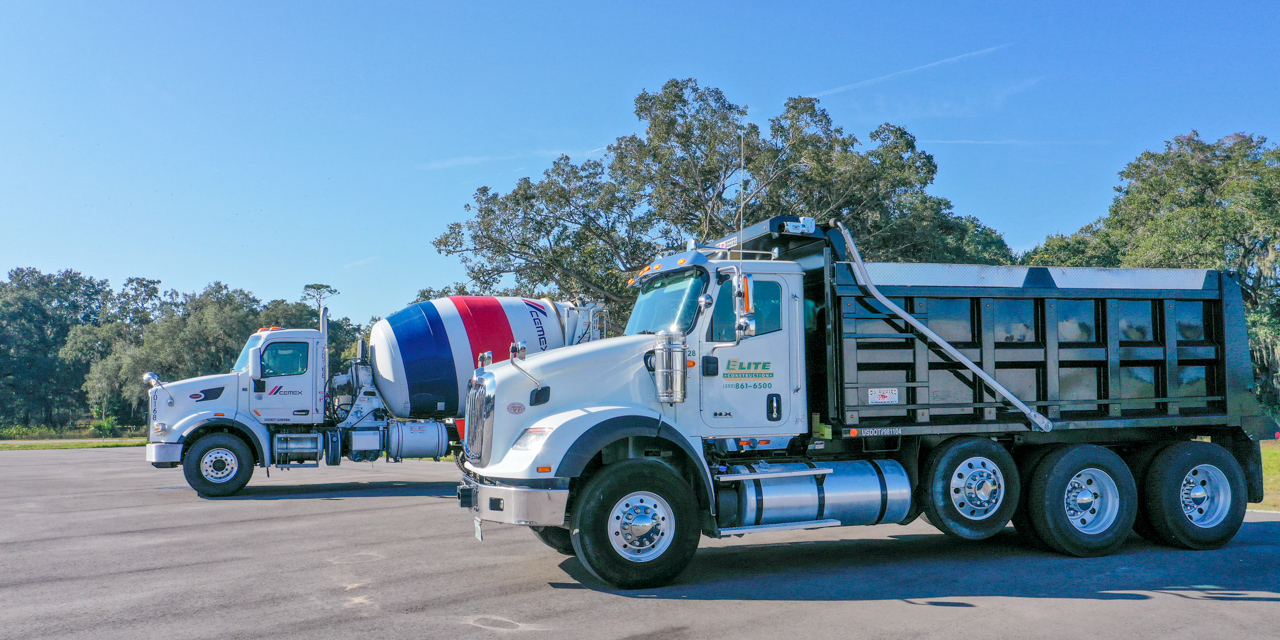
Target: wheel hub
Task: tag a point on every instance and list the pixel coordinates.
(1091, 501)
(977, 488)
(640, 526)
(1206, 496)
(218, 465)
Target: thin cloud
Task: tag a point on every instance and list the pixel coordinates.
(1020, 142)
(465, 161)
(865, 83)
(462, 162)
(359, 262)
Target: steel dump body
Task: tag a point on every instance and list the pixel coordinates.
(1169, 349)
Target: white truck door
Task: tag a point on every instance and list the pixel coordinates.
(751, 390)
(285, 392)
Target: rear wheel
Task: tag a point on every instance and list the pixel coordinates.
(1083, 500)
(218, 464)
(636, 525)
(972, 486)
(555, 537)
(1027, 463)
(1139, 463)
(1195, 495)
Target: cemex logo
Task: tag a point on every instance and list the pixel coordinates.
(280, 391)
(534, 310)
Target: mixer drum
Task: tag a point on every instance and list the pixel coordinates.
(423, 355)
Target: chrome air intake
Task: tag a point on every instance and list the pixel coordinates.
(670, 366)
(479, 417)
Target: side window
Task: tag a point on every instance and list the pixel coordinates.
(768, 311)
(721, 329)
(284, 359)
(768, 307)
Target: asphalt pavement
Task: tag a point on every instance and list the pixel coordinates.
(97, 544)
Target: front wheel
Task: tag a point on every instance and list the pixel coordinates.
(218, 464)
(636, 525)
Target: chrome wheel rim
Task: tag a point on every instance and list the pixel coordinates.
(977, 488)
(219, 465)
(1092, 501)
(1206, 496)
(641, 526)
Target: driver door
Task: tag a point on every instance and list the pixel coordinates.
(284, 392)
(748, 388)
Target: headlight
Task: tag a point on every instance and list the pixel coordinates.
(532, 438)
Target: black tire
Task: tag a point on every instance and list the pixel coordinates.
(224, 450)
(1139, 463)
(555, 537)
(1027, 463)
(605, 494)
(1083, 469)
(963, 470)
(1213, 518)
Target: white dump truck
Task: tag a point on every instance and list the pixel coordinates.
(773, 381)
(278, 406)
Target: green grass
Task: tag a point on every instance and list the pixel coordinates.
(1270, 476)
(28, 446)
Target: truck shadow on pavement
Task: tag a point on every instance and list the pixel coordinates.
(340, 490)
(932, 569)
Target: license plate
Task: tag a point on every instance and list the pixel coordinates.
(479, 534)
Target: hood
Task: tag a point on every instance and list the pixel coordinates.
(608, 372)
(216, 393)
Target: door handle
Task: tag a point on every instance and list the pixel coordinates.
(773, 407)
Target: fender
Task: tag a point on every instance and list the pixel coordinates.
(611, 430)
(234, 425)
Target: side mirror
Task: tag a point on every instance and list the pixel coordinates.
(519, 350)
(744, 306)
(705, 301)
(255, 363)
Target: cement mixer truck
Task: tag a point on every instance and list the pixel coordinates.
(401, 397)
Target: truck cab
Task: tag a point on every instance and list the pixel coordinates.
(276, 384)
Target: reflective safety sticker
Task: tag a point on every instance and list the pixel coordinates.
(882, 396)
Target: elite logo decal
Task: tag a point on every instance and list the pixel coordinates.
(740, 370)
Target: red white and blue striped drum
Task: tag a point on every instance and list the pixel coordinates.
(423, 355)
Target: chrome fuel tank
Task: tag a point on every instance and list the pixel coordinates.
(855, 492)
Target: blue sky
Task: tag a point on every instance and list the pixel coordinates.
(270, 145)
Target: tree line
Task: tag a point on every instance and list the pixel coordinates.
(70, 345)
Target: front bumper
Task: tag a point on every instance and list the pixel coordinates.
(164, 452)
(514, 505)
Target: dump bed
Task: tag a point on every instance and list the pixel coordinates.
(1088, 348)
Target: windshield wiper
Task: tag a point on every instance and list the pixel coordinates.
(644, 332)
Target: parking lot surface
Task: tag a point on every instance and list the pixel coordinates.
(96, 543)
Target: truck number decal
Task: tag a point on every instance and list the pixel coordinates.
(882, 396)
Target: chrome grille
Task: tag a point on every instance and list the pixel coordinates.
(479, 416)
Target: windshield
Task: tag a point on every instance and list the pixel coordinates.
(668, 302)
(242, 362)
